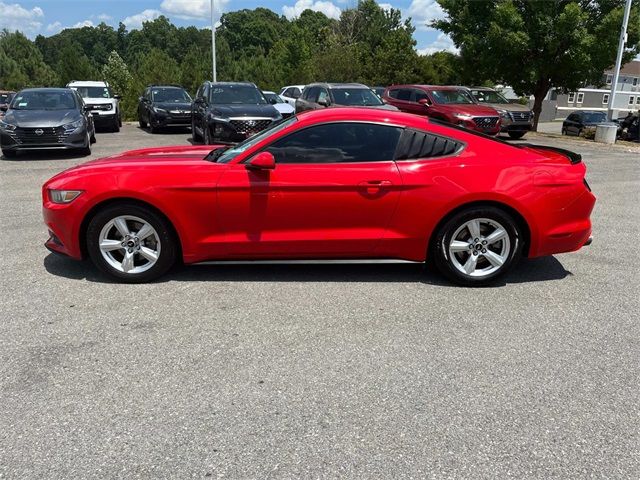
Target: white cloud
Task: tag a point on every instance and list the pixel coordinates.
(422, 12)
(54, 27)
(135, 21)
(193, 9)
(328, 8)
(443, 42)
(104, 17)
(85, 23)
(385, 6)
(15, 17)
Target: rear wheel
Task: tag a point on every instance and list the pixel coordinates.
(477, 245)
(131, 243)
(516, 135)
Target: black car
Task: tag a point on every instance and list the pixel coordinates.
(579, 122)
(164, 106)
(46, 118)
(323, 95)
(5, 100)
(229, 112)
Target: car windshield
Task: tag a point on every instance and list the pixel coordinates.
(236, 94)
(452, 96)
(593, 117)
(94, 92)
(42, 100)
(272, 97)
(360, 97)
(231, 153)
(488, 96)
(170, 95)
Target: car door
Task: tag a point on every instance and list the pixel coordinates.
(402, 99)
(573, 124)
(310, 95)
(333, 192)
(200, 109)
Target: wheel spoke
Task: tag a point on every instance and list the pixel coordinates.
(497, 235)
(144, 232)
(121, 225)
(470, 265)
(110, 245)
(149, 254)
(495, 259)
(474, 228)
(127, 262)
(459, 246)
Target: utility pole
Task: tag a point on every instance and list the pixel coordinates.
(213, 40)
(621, 44)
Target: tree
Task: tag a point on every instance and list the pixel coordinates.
(31, 68)
(535, 46)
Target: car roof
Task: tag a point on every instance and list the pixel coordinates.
(338, 85)
(363, 114)
(46, 89)
(249, 84)
(88, 83)
(269, 92)
(588, 111)
(431, 87)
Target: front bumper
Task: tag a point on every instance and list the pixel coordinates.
(101, 119)
(171, 119)
(43, 139)
(238, 129)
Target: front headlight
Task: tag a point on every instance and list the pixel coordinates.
(9, 127)
(63, 196)
(503, 113)
(159, 110)
(73, 125)
(462, 116)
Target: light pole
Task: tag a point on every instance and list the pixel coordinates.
(616, 72)
(213, 41)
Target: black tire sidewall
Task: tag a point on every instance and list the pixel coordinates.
(168, 250)
(443, 237)
(516, 135)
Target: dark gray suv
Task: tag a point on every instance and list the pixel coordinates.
(44, 119)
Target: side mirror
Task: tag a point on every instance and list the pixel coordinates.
(424, 102)
(262, 161)
(117, 97)
(273, 101)
(141, 99)
(324, 102)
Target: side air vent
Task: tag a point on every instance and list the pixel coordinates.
(415, 144)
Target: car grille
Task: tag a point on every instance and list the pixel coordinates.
(250, 126)
(101, 106)
(520, 116)
(486, 122)
(40, 136)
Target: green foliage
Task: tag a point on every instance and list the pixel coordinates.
(534, 46)
(21, 63)
(117, 74)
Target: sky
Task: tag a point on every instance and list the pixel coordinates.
(48, 17)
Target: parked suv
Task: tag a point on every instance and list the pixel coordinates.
(229, 112)
(323, 95)
(101, 102)
(164, 106)
(44, 119)
(449, 104)
(515, 119)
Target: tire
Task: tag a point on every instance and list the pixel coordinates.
(86, 150)
(142, 123)
(563, 131)
(194, 135)
(93, 135)
(207, 140)
(120, 120)
(9, 153)
(142, 259)
(579, 134)
(152, 129)
(516, 135)
(115, 127)
(492, 259)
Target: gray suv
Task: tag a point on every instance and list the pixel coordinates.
(516, 119)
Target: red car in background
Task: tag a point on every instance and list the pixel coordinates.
(449, 104)
(343, 183)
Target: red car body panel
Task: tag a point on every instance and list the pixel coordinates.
(350, 210)
(442, 111)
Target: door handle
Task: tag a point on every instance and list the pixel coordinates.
(374, 186)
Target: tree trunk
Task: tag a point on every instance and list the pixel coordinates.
(541, 90)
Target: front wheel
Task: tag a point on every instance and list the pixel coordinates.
(208, 138)
(131, 243)
(516, 135)
(477, 245)
(194, 134)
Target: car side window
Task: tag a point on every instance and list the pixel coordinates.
(393, 93)
(338, 143)
(323, 95)
(415, 144)
(418, 95)
(199, 92)
(295, 92)
(404, 94)
(311, 94)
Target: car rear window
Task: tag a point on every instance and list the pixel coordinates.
(416, 144)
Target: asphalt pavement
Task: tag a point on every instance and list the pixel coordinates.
(320, 371)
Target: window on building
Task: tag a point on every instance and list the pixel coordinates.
(605, 99)
(572, 97)
(580, 97)
(609, 79)
(638, 100)
(632, 99)
(635, 81)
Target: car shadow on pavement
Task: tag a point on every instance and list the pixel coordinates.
(165, 130)
(39, 155)
(534, 270)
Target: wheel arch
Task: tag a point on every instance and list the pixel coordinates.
(520, 219)
(120, 200)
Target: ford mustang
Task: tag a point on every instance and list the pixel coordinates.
(335, 184)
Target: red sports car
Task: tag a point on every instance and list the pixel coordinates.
(339, 183)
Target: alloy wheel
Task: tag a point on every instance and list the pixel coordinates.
(129, 244)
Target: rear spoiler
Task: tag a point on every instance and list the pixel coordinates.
(573, 156)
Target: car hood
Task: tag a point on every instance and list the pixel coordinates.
(473, 110)
(284, 108)
(510, 107)
(98, 100)
(245, 110)
(173, 105)
(41, 118)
